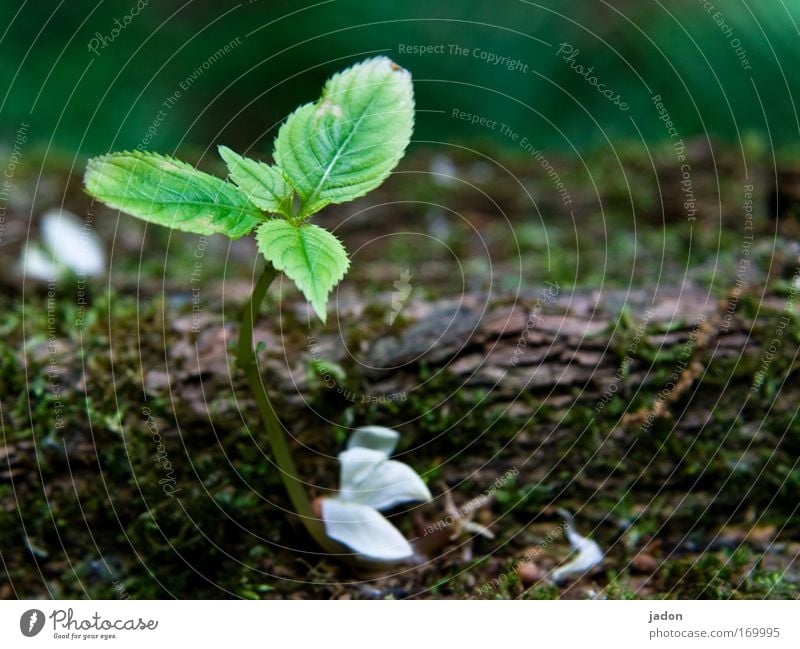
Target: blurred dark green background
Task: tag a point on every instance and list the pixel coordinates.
(280, 52)
(709, 492)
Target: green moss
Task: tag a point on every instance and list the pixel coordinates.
(736, 576)
(543, 592)
(100, 493)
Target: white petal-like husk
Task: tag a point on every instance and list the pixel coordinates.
(476, 528)
(74, 244)
(364, 530)
(377, 438)
(379, 483)
(356, 465)
(36, 264)
(589, 555)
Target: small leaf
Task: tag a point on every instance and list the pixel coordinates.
(168, 192)
(310, 256)
(321, 368)
(347, 143)
(263, 184)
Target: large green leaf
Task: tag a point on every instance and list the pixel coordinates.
(347, 143)
(308, 254)
(264, 185)
(166, 191)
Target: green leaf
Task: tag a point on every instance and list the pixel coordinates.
(347, 143)
(166, 191)
(263, 184)
(319, 368)
(309, 255)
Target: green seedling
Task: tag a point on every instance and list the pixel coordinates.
(330, 151)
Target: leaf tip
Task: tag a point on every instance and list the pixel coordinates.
(226, 152)
(320, 310)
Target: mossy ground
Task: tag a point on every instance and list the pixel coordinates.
(686, 510)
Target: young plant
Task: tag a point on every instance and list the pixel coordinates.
(327, 152)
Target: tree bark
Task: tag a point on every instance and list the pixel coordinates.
(559, 347)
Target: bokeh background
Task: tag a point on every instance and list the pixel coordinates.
(664, 234)
(92, 102)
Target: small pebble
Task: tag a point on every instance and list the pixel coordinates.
(645, 563)
(529, 573)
